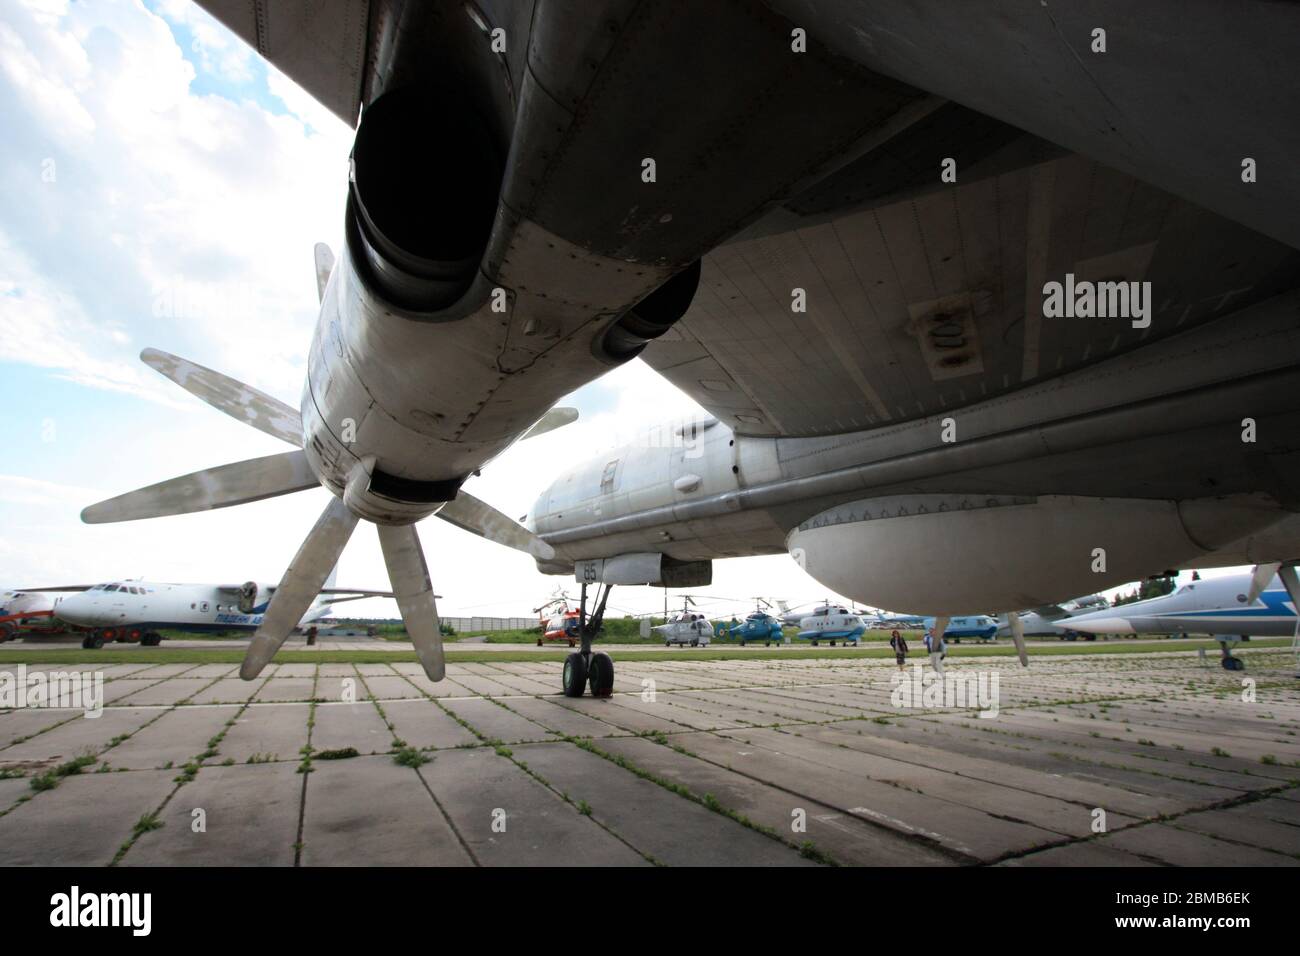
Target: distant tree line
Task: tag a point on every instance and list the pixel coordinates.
(1150, 588)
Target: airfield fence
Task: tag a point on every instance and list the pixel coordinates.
(470, 625)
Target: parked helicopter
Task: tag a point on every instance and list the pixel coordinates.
(758, 626)
(686, 627)
(559, 622)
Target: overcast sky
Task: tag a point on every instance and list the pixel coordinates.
(161, 186)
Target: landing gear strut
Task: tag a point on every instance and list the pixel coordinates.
(586, 667)
(1229, 662)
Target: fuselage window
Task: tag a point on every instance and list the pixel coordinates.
(204, 606)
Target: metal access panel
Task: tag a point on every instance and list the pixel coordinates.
(650, 568)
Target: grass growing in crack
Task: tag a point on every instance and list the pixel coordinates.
(343, 753)
(410, 757)
(146, 823)
(708, 800)
(584, 808)
(50, 779)
(809, 851)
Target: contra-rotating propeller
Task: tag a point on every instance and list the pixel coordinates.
(283, 474)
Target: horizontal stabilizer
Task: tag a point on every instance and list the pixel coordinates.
(482, 519)
(557, 417)
(241, 402)
(221, 487)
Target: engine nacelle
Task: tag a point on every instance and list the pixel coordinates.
(247, 597)
(955, 554)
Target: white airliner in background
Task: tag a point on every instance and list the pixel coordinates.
(20, 608)
(1231, 608)
(136, 611)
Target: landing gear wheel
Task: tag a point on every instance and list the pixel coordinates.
(152, 639)
(539, 642)
(1234, 664)
(575, 675)
(95, 641)
(600, 674)
(7, 631)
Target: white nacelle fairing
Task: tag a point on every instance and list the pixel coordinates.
(1001, 553)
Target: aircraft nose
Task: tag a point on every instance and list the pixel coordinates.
(1099, 624)
(74, 610)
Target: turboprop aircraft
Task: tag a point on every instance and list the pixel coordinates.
(138, 610)
(1232, 608)
(839, 248)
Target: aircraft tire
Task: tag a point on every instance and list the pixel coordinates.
(95, 641)
(7, 631)
(151, 639)
(600, 674)
(1234, 664)
(575, 675)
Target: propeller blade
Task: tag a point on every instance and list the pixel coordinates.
(324, 266)
(1261, 579)
(241, 402)
(471, 514)
(302, 581)
(235, 484)
(557, 417)
(409, 575)
(1018, 636)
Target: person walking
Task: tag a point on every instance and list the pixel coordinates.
(899, 644)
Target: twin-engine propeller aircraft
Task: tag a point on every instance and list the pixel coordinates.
(1232, 608)
(138, 610)
(849, 254)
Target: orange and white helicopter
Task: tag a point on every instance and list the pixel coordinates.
(559, 621)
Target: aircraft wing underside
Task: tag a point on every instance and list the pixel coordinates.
(919, 301)
(319, 44)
